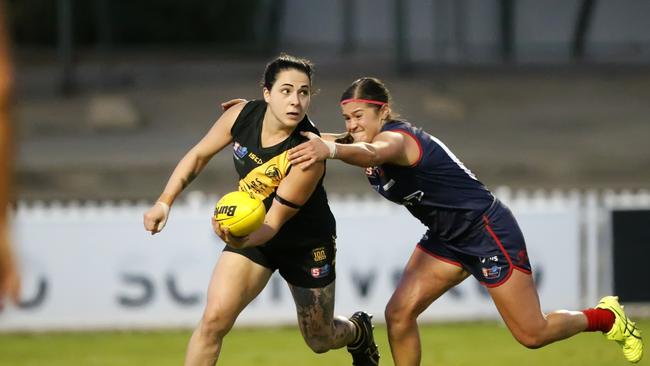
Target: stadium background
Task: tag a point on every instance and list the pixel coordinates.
(528, 94)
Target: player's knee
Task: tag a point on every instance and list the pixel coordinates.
(395, 313)
(530, 340)
(318, 344)
(215, 326)
(391, 314)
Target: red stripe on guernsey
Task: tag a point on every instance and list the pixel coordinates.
(446, 260)
(416, 141)
(503, 250)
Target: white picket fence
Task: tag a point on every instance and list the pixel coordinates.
(91, 264)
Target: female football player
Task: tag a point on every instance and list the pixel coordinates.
(297, 237)
(470, 232)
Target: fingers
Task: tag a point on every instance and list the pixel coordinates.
(152, 224)
(221, 231)
(230, 103)
(160, 224)
(298, 149)
(225, 235)
(216, 227)
(156, 217)
(300, 153)
(149, 224)
(303, 162)
(155, 229)
(228, 238)
(305, 165)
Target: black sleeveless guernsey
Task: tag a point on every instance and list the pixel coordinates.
(261, 169)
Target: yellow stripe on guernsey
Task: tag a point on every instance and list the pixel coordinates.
(263, 180)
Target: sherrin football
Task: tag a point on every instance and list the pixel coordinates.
(240, 212)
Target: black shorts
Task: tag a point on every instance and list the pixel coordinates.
(490, 252)
(308, 264)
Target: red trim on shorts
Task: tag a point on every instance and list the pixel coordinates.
(503, 250)
(524, 270)
(507, 277)
(446, 260)
(416, 141)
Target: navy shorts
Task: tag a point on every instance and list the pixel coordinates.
(309, 264)
(490, 252)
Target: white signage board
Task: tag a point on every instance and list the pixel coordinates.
(96, 267)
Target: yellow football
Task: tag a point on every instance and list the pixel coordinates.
(240, 212)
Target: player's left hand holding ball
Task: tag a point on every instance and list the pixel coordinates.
(226, 236)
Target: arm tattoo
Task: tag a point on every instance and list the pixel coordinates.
(186, 182)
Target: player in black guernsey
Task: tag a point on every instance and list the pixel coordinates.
(262, 169)
(297, 237)
(470, 232)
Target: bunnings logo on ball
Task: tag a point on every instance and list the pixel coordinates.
(228, 210)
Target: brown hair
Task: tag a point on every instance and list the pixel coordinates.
(368, 88)
(286, 62)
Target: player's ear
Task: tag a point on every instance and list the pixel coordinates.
(384, 112)
(267, 95)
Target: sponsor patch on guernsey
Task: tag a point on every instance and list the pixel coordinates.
(238, 150)
(320, 272)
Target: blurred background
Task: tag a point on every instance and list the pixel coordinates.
(110, 94)
(546, 101)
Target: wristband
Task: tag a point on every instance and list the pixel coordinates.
(165, 208)
(331, 146)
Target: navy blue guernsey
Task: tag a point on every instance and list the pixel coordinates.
(438, 189)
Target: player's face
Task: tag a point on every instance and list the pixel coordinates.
(362, 121)
(289, 97)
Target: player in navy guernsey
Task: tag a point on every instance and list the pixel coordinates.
(297, 237)
(437, 189)
(470, 232)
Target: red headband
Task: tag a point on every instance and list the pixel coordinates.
(346, 101)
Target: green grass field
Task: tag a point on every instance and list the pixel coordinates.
(458, 344)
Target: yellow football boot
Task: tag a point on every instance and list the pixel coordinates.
(624, 331)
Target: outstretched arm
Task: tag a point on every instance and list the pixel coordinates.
(190, 166)
(386, 147)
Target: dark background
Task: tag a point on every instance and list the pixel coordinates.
(111, 94)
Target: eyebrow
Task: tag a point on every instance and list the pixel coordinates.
(291, 85)
(352, 113)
